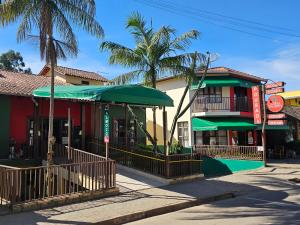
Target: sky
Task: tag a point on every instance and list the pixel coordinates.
(271, 50)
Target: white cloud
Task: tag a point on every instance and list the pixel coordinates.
(282, 65)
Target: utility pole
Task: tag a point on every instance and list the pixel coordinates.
(263, 131)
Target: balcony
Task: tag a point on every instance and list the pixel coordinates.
(222, 104)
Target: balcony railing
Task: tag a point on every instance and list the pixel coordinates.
(230, 104)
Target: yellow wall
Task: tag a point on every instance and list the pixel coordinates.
(74, 80)
(78, 80)
(174, 88)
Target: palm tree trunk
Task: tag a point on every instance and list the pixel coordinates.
(51, 138)
(176, 115)
(154, 112)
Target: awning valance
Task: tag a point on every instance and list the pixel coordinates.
(223, 82)
(274, 127)
(130, 94)
(201, 124)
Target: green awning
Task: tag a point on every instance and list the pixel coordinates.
(201, 124)
(223, 82)
(274, 127)
(131, 94)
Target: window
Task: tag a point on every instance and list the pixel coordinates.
(210, 95)
(214, 137)
(183, 133)
(85, 82)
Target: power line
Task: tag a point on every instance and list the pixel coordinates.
(184, 11)
(240, 20)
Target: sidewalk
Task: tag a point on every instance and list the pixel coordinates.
(150, 198)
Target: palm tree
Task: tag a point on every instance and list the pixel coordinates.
(49, 18)
(190, 77)
(153, 56)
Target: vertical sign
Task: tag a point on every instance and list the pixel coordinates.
(106, 126)
(256, 105)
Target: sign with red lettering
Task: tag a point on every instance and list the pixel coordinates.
(275, 103)
(274, 91)
(256, 104)
(275, 85)
(276, 116)
(276, 122)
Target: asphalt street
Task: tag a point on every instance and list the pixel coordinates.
(277, 205)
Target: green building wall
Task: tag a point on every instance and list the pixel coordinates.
(118, 112)
(4, 126)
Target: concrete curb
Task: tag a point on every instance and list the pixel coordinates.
(163, 210)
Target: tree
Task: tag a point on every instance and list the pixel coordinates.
(154, 55)
(13, 61)
(190, 77)
(49, 18)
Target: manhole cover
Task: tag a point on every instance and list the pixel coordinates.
(295, 180)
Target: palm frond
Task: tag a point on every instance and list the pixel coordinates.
(184, 40)
(128, 77)
(122, 55)
(137, 25)
(11, 10)
(82, 15)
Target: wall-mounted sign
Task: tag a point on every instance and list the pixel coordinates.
(274, 91)
(275, 103)
(275, 85)
(256, 104)
(276, 116)
(106, 126)
(276, 122)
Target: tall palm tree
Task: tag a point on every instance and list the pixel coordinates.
(49, 18)
(154, 55)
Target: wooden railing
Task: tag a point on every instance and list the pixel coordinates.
(171, 166)
(76, 171)
(64, 154)
(229, 151)
(211, 104)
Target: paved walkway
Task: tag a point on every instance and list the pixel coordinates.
(139, 195)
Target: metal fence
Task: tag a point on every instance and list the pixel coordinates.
(229, 151)
(171, 166)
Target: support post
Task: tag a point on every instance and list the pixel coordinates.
(165, 130)
(69, 133)
(263, 131)
(126, 125)
(82, 126)
(35, 129)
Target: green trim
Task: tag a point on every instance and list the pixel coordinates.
(200, 124)
(274, 127)
(219, 167)
(131, 94)
(223, 82)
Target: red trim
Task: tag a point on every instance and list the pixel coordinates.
(232, 99)
(230, 137)
(254, 138)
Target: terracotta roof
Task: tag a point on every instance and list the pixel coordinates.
(21, 84)
(75, 73)
(226, 71)
(236, 73)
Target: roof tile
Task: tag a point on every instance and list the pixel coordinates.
(12, 83)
